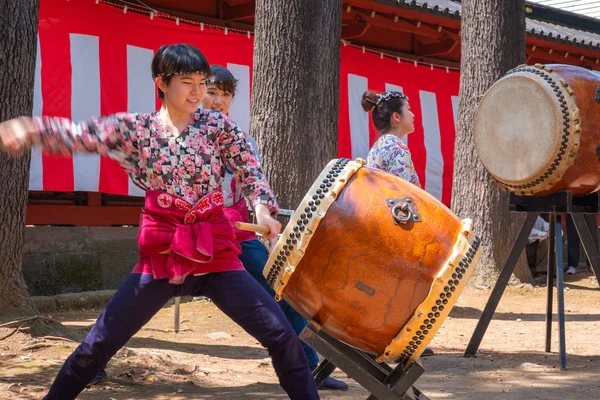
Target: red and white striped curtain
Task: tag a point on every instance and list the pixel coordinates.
(94, 59)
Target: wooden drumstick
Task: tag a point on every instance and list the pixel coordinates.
(265, 230)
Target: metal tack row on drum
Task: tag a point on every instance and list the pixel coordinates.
(537, 130)
(375, 261)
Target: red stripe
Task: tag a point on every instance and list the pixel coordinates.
(56, 62)
(113, 95)
(344, 140)
(448, 134)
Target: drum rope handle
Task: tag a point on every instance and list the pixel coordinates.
(404, 215)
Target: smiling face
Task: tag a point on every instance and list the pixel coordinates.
(217, 99)
(184, 92)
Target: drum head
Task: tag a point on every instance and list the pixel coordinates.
(518, 128)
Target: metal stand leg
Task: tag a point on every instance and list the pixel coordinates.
(561, 202)
(556, 259)
(177, 303)
(560, 297)
(589, 245)
(501, 283)
(550, 281)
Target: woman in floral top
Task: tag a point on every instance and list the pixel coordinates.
(186, 242)
(394, 120)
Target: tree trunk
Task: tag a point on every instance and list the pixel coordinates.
(295, 91)
(18, 44)
(493, 41)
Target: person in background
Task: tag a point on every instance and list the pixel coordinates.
(537, 248)
(220, 91)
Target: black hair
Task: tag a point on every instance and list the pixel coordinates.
(223, 79)
(174, 59)
(384, 105)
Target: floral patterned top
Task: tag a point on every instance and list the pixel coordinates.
(391, 155)
(189, 165)
(232, 192)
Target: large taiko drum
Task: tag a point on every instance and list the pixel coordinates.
(537, 130)
(375, 261)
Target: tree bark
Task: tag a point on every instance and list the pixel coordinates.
(493, 41)
(18, 44)
(295, 91)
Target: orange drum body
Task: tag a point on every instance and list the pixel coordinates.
(373, 260)
(537, 130)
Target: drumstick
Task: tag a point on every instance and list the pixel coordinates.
(253, 227)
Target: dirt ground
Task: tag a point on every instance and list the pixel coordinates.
(212, 358)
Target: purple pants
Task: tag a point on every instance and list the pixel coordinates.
(236, 293)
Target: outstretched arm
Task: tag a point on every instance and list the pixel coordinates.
(113, 136)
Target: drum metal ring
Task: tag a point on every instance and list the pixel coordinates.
(403, 210)
(402, 213)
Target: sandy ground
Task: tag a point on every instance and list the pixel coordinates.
(212, 358)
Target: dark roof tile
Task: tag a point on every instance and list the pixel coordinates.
(548, 30)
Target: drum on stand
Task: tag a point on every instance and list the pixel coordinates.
(537, 130)
(375, 261)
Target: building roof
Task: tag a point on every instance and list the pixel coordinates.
(589, 8)
(564, 34)
(441, 7)
(549, 28)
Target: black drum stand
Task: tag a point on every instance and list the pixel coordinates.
(381, 380)
(559, 203)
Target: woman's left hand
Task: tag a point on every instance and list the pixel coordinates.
(263, 217)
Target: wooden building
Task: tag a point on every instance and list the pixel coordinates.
(427, 31)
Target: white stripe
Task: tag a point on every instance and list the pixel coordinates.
(36, 170)
(240, 107)
(134, 190)
(433, 146)
(38, 101)
(140, 91)
(455, 100)
(359, 119)
(140, 86)
(85, 103)
(390, 87)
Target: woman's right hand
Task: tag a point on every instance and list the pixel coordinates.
(16, 135)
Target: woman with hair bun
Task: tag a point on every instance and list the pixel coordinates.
(393, 119)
